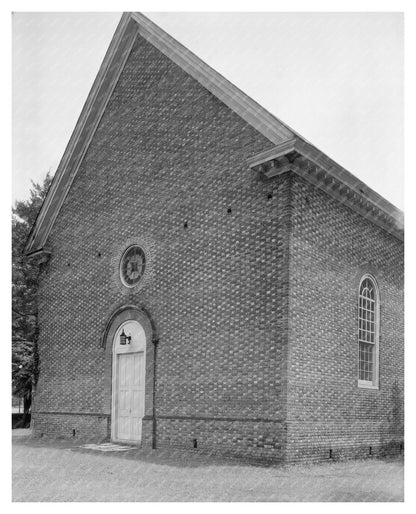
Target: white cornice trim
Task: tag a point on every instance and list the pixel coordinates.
(331, 178)
(272, 153)
(350, 180)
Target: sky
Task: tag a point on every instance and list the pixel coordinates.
(335, 78)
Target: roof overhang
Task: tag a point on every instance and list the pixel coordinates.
(307, 161)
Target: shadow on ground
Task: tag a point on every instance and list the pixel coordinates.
(59, 470)
(162, 456)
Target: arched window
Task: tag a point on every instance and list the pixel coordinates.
(368, 332)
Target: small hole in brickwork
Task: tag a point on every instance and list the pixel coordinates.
(370, 451)
(401, 448)
(307, 200)
(73, 432)
(195, 443)
(330, 454)
(99, 254)
(185, 225)
(68, 264)
(229, 210)
(269, 196)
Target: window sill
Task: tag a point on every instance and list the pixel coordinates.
(366, 385)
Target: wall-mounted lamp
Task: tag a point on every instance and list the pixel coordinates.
(123, 338)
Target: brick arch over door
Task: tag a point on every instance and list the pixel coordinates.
(126, 313)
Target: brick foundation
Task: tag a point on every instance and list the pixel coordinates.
(87, 426)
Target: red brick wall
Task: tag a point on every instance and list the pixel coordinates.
(168, 152)
(331, 248)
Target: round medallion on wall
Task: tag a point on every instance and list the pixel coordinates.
(132, 265)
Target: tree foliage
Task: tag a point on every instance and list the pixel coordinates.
(24, 294)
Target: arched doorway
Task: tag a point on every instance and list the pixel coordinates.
(128, 382)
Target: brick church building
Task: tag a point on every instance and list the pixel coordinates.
(210, 280)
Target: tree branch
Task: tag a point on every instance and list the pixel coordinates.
(15, 339)
(22, 315)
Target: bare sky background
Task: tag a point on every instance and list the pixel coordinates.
(336, 78)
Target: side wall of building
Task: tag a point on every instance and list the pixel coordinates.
(331, 248)
(167, 168)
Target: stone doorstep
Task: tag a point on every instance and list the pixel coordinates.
(107, 447)
(21, 432)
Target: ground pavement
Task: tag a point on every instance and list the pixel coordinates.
(52, 470)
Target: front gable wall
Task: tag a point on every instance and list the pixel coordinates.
(168, 152)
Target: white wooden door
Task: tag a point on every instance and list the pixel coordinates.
(130, 396)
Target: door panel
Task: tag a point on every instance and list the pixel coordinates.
(130, 396)
(123, 397)
(137, 401)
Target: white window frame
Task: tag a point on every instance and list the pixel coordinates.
(370, 384)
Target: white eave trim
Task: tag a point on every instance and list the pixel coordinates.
(358, 191)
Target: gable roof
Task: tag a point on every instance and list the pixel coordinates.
(132, 24)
